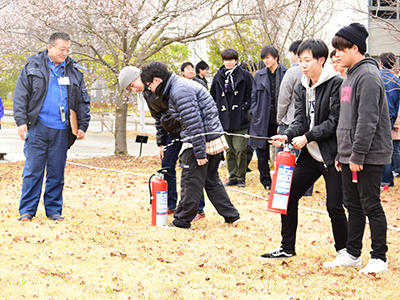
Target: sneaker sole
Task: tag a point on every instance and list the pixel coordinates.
(269, 258)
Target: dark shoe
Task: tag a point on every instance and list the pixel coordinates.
(267, 185)
(172, 225)
(232, 222)
(170, 211)
(231, 182)
(241, 183)
(277, 253)
(56, 217)
(25, 217)
(198, 217)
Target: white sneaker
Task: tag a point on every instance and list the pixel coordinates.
(375, 265)
(343, 259)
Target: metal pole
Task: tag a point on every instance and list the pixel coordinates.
(142, 121)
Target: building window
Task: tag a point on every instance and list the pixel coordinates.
(385, 9)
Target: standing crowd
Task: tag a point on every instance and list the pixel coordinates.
(339, 121)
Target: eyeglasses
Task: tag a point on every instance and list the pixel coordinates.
(63, 50)
(333, 63)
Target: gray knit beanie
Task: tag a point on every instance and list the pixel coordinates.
(127, 76)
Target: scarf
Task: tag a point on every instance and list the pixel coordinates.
(229, 83)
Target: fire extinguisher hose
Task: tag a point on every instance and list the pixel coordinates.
(151, 193)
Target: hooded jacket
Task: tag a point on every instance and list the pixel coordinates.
(233, 106)
(322, 131)
(363, 133)
(192, 105)
(285, 111)
(32, 86)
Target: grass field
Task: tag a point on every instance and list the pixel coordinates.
(106, 248)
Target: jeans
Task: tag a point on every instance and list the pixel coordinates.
(170, 158)
(306, 172)
(363, 199)
(194, 179)
(387, 176)
(44, 148)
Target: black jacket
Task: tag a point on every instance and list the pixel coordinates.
(164, 122)
(327, 107)
(32, 86)
(233, 107)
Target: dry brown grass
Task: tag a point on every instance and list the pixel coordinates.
(106, 248)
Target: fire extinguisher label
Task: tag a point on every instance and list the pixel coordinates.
(282, 187)
(284, 179)
(162, 198)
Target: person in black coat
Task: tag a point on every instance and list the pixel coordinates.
(202, 72)
(264, 99)
(313, 130)
(231, 90)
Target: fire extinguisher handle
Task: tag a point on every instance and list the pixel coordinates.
(164, 170)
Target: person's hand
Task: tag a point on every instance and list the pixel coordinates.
(299, 142)
(22, 131)
(355, 168)
(80, 135)
(161, 153)
(278, 140)
(338, 166)
(202, 161)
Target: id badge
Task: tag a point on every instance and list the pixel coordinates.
(62, 113)
(63, 81)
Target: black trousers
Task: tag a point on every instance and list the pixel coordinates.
(363, 199)
(263, 158)
(306, 172)
(194, 179)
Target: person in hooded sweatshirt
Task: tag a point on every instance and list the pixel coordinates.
(364, 147)
(231, 90)
(313, 130)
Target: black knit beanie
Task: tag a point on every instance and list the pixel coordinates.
(355, 33)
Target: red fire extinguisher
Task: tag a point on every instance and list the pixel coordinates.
(281, 182)
(158, 198)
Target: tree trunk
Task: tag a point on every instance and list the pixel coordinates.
(120, 124)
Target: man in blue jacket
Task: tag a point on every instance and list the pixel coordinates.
(264, 103)
(203, 141)
(52, 110)
(392, 91)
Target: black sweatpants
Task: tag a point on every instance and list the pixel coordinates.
(194, 179)
(363, 199)
(306, 172)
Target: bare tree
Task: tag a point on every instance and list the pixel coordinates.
(384, 14)
(111, 34)
(278, 23)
